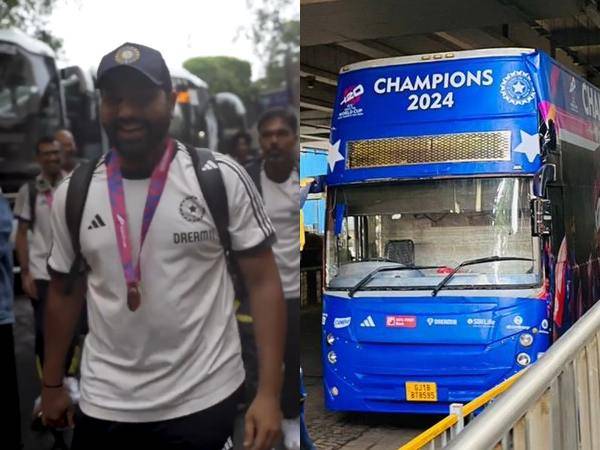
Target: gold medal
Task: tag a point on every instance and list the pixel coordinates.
(134, 298)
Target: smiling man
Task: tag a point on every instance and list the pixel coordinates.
(33, 240)
(161, 365)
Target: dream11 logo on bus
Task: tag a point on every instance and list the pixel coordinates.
(350, 102)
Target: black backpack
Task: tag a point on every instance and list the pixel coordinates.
(211, 185)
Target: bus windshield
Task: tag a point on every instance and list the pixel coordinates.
(28, 87)
(434, 224)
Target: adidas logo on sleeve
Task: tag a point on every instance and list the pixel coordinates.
(97, 222)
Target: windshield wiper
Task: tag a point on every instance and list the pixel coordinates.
(367, 278)
(472, 262)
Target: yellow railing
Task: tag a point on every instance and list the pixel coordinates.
(440, 429)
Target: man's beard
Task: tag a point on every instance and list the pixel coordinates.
(278, 164)
(154, 134)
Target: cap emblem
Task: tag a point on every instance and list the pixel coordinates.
(127, 55)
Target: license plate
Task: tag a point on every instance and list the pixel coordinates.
(421, 392)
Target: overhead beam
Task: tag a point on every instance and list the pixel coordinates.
(314, 115)
(319, 74)
(448, 37)
(305, 129)
(369, 48)
(309, 2)
(575, 37)
(315, 105)
(318, 78)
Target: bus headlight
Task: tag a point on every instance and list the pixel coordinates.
(330, 339)
(332, 357)
(523, 359)
(526, 339)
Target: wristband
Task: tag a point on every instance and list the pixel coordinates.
(53, 386)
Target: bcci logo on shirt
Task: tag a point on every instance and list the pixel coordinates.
(517, 88)
(352, 97)
(191, 209)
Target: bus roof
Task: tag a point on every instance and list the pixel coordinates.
(180, 72)
(32, 45)
(435, 57)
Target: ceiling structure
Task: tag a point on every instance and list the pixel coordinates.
(335, 33)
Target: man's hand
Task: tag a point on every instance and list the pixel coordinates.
(263, 423)
(57, 408)
(28, 284)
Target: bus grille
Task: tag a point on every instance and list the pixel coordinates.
(400, 151)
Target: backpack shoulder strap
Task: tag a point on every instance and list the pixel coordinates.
(254, 170)
(213, 188)
(31, 198)
(77, 191)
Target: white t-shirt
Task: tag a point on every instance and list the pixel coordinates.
(179, 353)
(282, 202)
(40, 237)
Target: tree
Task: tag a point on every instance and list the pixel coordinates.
(31, 17)
(224, 74)
(276, 41)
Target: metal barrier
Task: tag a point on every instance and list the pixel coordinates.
(555, 405)
(311, 286)
(445, 430)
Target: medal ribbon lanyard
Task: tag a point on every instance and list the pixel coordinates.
(119, 214)
(49, 198)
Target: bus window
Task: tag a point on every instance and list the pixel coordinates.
(439, 224)
(50, 107)
(17, 87)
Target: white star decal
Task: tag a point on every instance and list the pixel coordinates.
(334, 155)
(518, 87)
(529, 146)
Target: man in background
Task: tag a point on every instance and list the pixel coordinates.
(280, 186)
(69, 149)
(34, 237)
(240, 148)
(9, 406)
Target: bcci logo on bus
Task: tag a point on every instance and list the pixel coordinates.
(517, 88)
(352, 97)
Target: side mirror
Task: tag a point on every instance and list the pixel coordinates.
(541, 217)
(339, 213)
(547, 134)
(75, 75)
(231, 111)
(544, 176)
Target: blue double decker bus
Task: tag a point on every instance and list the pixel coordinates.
(462, 224)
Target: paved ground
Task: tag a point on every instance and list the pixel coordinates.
(333, 431)
(29, 386)
(330, 431)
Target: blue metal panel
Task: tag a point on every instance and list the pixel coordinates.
(466, 345)
(312, 163)
(314, 215)
(476, 95)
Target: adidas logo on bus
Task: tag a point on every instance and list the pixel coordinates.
(368, 323)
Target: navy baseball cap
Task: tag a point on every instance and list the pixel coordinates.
(146, 60)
